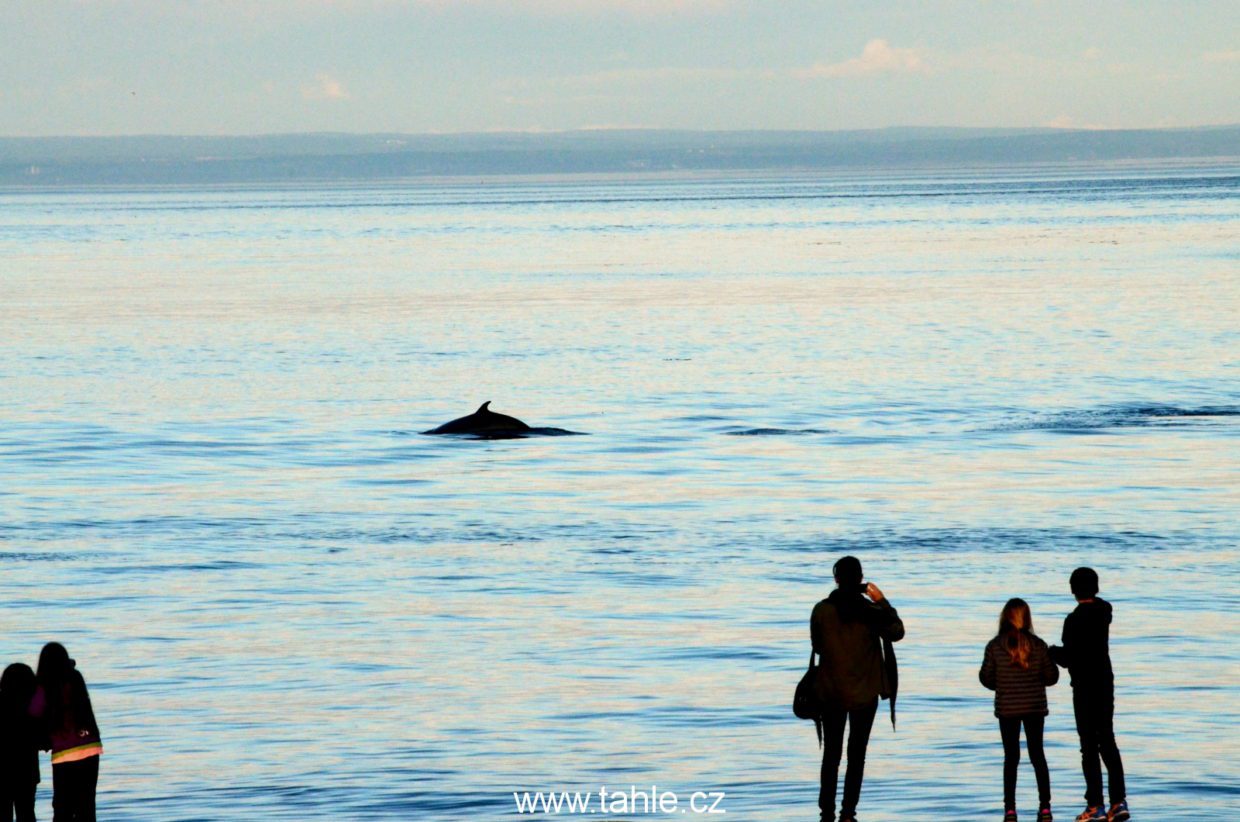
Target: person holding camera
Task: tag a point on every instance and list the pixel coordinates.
(852, 631)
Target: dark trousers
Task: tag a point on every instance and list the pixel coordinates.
(17, 800)
(860, 721)
(1095, 724)
(1009, 727)
(73, 790)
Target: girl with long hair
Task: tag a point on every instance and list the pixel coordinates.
(64, 706)
(1017, 666)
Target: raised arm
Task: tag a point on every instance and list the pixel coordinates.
(884, 616)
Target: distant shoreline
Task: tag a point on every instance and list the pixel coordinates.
(1222, 167)
(325, 159)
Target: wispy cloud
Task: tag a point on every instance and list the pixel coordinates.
(611, 85)
(643, 8)
(878, 57)
(656, 74)
(1067, 122)
(1228, 56)
(325, 87)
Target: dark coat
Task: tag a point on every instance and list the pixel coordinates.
(20, 740)
(1018, 691)
(70, 722)
(1086, 648)
(847, 632)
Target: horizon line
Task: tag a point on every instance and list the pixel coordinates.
(533, 132)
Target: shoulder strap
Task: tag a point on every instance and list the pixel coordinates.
(893, 676)
(817, 719)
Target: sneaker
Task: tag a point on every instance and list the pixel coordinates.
(1094, 812)
(1044, 815)
(1119, 812)
(1009, 816)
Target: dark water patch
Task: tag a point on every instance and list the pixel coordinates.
(699, 716)
(170, 525)
(214, 565)
(163, 523)
(870, 439)
(469, 531)
(965, 540)
(49, 556)
(641, 579)
(1124, 416)
(722, 653)
(392, 482)
(437, 805)
(1198, 786)
(778, 432)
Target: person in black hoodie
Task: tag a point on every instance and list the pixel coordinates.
(19, 744)
(1086, 655)
(852, 636)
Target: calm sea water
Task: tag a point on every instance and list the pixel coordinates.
(290, 605)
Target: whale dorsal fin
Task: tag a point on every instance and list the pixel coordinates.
(483, 407)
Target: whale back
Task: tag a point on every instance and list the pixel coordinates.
(484, 421)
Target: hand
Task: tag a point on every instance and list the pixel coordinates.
(871, 590)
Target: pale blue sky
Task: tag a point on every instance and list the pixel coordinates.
(258, 66)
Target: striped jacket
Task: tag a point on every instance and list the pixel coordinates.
(1018, 691)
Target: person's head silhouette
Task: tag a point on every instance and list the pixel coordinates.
(54, 664)
(848, 572)
(1084, 583)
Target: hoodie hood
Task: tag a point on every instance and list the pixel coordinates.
(1097, 612)
(849, 604)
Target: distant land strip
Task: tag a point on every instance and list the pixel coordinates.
(331, 157)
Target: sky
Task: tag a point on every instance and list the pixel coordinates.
(107, 67)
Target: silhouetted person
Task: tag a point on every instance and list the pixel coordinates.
(848, 631)
(64, 705)
(19, 744)
(1018, 667)
(1087, 656)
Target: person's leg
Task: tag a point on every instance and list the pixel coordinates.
(832, 750)
(1009, 729)
(1034, 726)
(89, 779)
(62, 792)
(73, 790)
(23, 803)
(1086, 728)
(860, 721)
(1104, 713)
